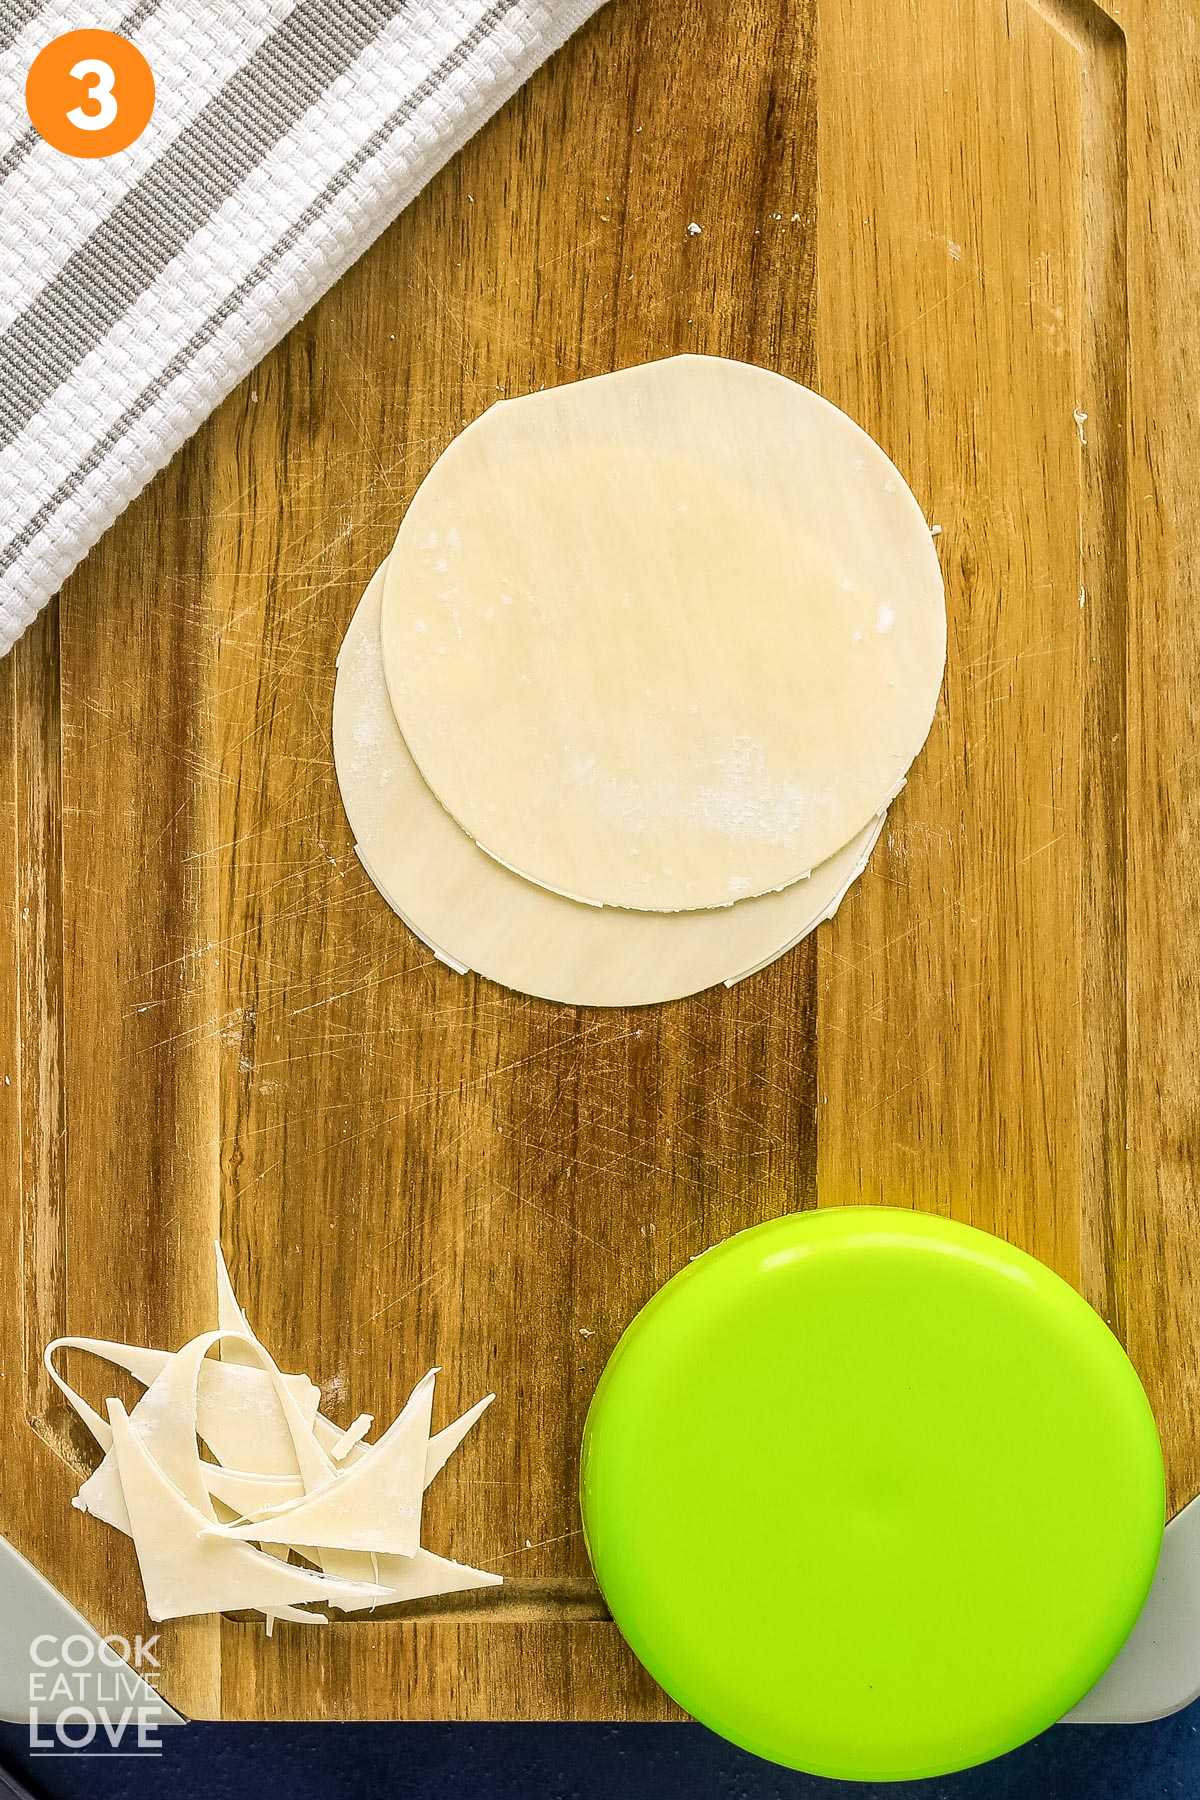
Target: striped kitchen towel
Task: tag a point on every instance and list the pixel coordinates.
(136, 290)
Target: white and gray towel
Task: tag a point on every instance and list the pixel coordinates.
(137, 290)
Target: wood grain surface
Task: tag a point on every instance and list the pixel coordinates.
(968, 222)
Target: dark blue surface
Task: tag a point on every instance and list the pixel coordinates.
(589, 1762)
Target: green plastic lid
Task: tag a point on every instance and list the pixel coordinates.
(871, 1493)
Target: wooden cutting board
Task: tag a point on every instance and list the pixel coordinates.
(969, 223)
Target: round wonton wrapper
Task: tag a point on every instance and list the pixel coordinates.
(666, 638)
(475, 914)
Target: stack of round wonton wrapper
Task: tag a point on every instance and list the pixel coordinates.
(621, 715)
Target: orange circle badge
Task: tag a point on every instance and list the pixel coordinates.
(90, 93)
